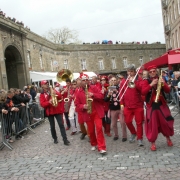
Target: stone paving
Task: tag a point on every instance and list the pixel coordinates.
(37, 157)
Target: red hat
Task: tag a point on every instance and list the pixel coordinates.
(151, 67)
(44, 82)
(57, 84)
(83, 76)
(140, 71)
(104, 77)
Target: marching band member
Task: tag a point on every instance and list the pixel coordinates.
(66, 94)
(106, 120)
(132, 105)
(53, 111)
(158, 115)
(115, 111)
(96, 83)
(81, 122)
(93, 118)
(72, 114)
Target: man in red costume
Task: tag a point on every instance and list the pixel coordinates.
(53, 111)
(95, 82)
(132, 105)
(158, 115)
(81, 122)
(72, 114)
(106, 120)
(94, 119)
(66, 94)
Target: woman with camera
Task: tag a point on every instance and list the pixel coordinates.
(115, 110)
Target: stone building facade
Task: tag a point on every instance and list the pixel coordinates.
(171, 20)
(22, 51)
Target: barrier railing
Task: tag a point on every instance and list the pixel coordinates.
(15, 123)
(176, 106)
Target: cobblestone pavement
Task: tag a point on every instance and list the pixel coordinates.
(37, 157)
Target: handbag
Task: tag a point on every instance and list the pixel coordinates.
(108, 120)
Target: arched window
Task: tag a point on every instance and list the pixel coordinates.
(113, 60)
(101, 64)
(125, 62)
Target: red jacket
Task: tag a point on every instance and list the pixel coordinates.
(146, 88)
(51, 110)
(98, 85)
(96, 104)
(132, 97)
(105, 104)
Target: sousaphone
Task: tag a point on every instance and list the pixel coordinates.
(61, 76)
(64, 74)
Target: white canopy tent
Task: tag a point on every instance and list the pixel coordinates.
(37, 77)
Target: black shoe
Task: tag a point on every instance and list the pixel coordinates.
(66, 143)
(124, 139)
(82, 136)
(115, 138)
(17, 137)
(55, 141)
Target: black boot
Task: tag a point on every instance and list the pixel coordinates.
(66, 142)
(55, 141)
(82, 136)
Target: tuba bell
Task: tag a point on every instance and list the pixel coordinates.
(62, 75)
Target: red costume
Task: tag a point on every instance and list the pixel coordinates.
(80, 117)
(106, 124)
(49, 108)
(158, 116)
(133, 106)
(53, 112)
(95, 118)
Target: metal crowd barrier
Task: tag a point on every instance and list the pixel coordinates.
(15, 123)
(176, 106)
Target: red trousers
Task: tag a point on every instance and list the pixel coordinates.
(96, 135)
(138, 113)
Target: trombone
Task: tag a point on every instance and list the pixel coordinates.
(130, 84)
(123, 86)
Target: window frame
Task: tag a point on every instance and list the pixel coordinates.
(101, 64)
(113, 61)
(125, 62)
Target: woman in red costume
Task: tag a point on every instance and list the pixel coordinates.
(158, 115)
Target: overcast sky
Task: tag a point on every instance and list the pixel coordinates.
(122, 20)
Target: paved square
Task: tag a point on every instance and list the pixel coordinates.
(37, 157)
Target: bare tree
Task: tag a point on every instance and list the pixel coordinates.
(63, 35)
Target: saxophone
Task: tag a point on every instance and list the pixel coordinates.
(159, 86)
(54, 97)
(88, 101)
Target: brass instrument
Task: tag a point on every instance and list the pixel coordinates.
(67, 99)
(62, 75)
(54, 97)
(159, 86)
(88, 101)
(130, 84)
